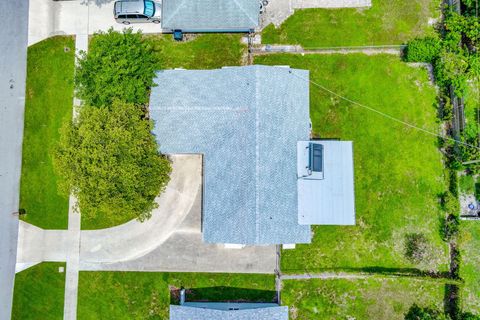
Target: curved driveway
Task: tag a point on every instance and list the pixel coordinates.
(171, 240)
(135, 239)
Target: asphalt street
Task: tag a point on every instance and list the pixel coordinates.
(13, 59)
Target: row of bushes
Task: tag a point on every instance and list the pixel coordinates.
(455, 57)
(455, 60)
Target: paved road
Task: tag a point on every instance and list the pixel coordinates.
(13, 54)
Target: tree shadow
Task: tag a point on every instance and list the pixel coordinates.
(98, 3)
(224, 294)
(451, 298)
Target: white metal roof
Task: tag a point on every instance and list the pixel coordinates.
(327, 198)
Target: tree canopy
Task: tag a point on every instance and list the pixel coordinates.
(117, 66)
(110, 161)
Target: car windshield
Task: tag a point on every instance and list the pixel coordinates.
(149, 8)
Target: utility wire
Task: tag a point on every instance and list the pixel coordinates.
(382, 113)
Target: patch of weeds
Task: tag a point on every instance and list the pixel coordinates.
(416, 247)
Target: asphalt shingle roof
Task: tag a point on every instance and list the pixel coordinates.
(189, 313)
(246, 121)
(205, 15)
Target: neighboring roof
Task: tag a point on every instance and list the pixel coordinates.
(329, 200)
(192, 313)
(13, 61)
(246, 121)
(205, 15)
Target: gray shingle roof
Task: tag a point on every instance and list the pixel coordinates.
(190, 313)
(210, 15)
(246, 121)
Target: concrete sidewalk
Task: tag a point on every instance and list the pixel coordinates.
(75, 17)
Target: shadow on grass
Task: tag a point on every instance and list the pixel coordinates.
(451, 301)
(404, 272)
(223, 294)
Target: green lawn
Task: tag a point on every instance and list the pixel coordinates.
(359, 298)
(386, 22)
(398, 170)
(144, 295)
(470, 268)
(49, 97)
(207, 51)
(39, 292)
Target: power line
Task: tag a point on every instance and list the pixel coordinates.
(382, 113)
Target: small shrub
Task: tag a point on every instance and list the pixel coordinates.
(451, 69)
(456, 261)
(416, 247)
(447, 111)
(417, 313)
(451, 227)
(423, 50)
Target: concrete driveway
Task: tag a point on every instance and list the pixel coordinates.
(171, 240)
(185, 251)
(48, 18)
(135, 239)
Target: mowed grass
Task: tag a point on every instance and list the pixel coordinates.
(207, 51)
(146, 295)
(358, 299)
(470, 267)
(386, 22)
(39, 292)
(398, 170)
(49, 95)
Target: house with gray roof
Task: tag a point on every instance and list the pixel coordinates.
(226, 310)
(247, 122)
(204, 313)
(210, 15)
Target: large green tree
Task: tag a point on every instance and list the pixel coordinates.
(110, 161)
(118, 65)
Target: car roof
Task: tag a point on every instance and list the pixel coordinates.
(129, 6)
